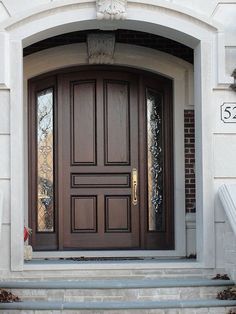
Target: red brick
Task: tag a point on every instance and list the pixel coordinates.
(189, 140)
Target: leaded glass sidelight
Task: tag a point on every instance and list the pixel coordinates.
(155, 160)
(45, 173)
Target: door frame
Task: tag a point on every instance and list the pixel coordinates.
(145, 80)
(155, 62)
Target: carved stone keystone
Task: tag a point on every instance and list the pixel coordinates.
(111, 9)
(101, 48)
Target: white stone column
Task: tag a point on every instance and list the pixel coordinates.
(4, 154)
(204, 153)
(17, 156)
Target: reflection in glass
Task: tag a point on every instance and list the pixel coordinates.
(155, 161)
(45, 205)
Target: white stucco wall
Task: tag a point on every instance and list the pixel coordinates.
(197, 23)
(224, 139)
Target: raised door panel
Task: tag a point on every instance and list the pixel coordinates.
(118, 213)
(84, 214)
(117, 123)
(83, 123)
(100, 180)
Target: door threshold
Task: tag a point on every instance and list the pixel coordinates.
(109, 254)
(55, 264)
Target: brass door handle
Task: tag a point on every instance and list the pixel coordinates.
(134, 186)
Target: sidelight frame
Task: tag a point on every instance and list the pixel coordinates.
(46, 239)
(154, 62)
(146, 80)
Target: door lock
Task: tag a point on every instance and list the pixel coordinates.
(134, 186)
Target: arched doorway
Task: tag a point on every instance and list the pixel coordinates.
(195, 32)
(101, 147)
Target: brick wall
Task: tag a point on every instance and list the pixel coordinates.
(189, 145)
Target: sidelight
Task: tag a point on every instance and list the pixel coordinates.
(45, 165)
(155, 160)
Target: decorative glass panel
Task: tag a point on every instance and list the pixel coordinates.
(155, 161)
(45, 204)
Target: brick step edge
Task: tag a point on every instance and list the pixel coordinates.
(114, 284)
(170, 304)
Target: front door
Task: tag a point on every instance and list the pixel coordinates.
(98, 152)
(111, 186)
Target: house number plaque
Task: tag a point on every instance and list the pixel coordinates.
(228, 112)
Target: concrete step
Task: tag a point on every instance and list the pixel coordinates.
(118, 296)
(137, 307)
(72, 270)
(117, 290)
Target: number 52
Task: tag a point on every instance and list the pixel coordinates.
(228, 112)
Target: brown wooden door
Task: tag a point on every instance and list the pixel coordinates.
(98, 148)
(106, 123)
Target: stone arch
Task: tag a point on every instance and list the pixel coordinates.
(149, 60)
(154, 17)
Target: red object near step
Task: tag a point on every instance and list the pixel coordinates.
(26, 234)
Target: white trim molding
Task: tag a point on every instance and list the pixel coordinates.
(190, 234)
(227, 194)
(190, 220)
